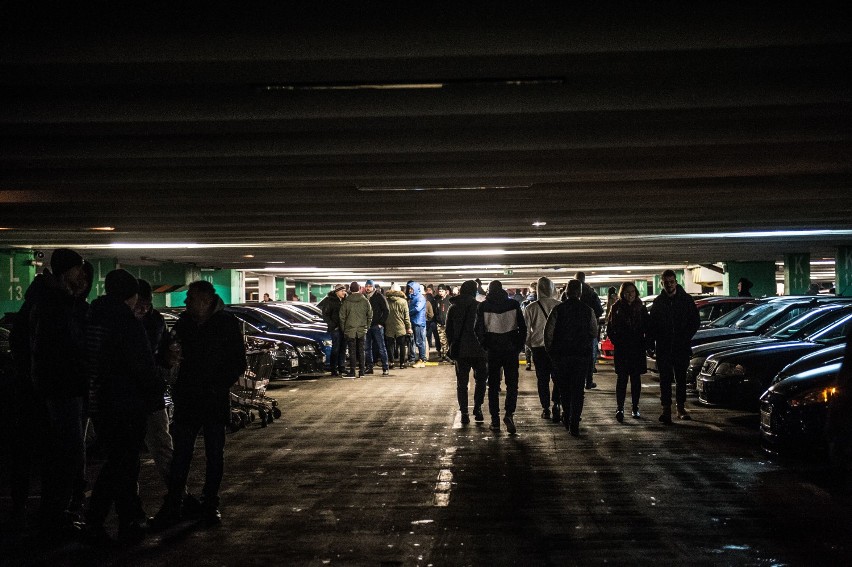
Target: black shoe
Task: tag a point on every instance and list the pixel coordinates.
(477, 414)
(465, 419)
(594, 370)
(545, 413)
(619, 416)
(368, 371)
(529, 368)
(591, 385)
(391, 365)
(666, 417)
(384, 373)
(508, 419)
(192, 507)
(212, 517)
(566, 422)
(495, 426)
(574, 430)
(557, 414)
(636, 413)
(350, 375)
(334, 373)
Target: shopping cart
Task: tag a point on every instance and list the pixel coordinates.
(248, 395)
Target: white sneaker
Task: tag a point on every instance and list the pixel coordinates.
(419, 364)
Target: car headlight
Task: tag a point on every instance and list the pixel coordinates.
(730, 369)
(327, 343)
(814, 396)
(306, 349)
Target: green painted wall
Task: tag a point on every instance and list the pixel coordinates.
(797, 273)
(16, 274)
(658, 286)
(843, 271)
(761, 274)
(102, 266)
(642, 287)
(302, 290)
(228, 284)
(321, 291)
(280, 289)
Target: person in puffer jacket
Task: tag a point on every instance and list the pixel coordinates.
(501, 330)
(417, 313)
(535, 315)
(465, 350)
(355, 317)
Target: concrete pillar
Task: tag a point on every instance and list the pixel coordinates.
(280, 289)
(761, 274)
(229, 284)
(797, 273)
(642, 287)
(303, 291)
(843, 271)
(102, 267)
(17, 272)
(266, 284)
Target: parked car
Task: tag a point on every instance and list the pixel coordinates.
(293, 314)
(802, 326)
(739, 377)
(307, 344)
(272, 317)
(793, 411)
(713, 307)
(817, 359)
(309, 309)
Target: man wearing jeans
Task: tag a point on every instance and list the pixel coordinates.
(213, 356)
(417, 313)
(376, 332)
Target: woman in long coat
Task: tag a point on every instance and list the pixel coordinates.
(627, 328)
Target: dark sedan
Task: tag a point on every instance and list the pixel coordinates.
(738, 377)
(802, 326)
(793, 411)
(311, 358)
(271, 317)
(822, 357)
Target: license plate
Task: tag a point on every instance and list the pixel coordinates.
(294, 362)
(766, 419)
(699, 385)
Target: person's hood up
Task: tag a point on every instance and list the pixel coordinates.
(496, 292)
(545, 288)
(415, 288)
(395, 293)
(468, 288)
(463, 300)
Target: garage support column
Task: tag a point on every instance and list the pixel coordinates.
(229, 284)
(17, 271)
(641, 287)
(797, 273)
(761, 274)
(280, 289)
(102, 267)
(266, 284)
(303, 291)
(843, 271)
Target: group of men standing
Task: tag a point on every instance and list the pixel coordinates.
(104, 365)
(562, 335)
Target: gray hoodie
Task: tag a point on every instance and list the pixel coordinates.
(536, 313)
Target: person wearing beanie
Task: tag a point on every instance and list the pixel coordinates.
(535, 316)
(375, 340)
(55, 336)
(397, 327)
(501, 330)
(356, 314)
(124, 388)
(330, 307)
(465, 350)
(568, 337)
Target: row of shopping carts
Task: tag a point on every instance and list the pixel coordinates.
(249, 401)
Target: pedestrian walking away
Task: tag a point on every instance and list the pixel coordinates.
(501, 330)
(627, 327)
(465, 351)
(535, 316)
(674, 321)
(567, 338)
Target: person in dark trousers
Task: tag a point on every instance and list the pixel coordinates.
(568, 340)
(501, 330)
(674, 321)
(330, 307)
(376, 334)
(441, 320)
(124, 389)
(398, 326)
(57, 334)
(535, 315)
(432, 338)
(744, 286)
(355, 317)
(591, 299)
(417, 314)
(466, 352)
(213, 357)
(531, 296)
(627, 327)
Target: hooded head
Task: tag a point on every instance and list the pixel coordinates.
(544, 287)
(495, 290)
(574, 289)
(63, 259)
(468, 288)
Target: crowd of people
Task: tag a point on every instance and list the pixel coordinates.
(105, 366)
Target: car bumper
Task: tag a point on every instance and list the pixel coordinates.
(784, 429)
(728, 391)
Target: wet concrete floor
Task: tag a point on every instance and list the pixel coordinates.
(380, 471)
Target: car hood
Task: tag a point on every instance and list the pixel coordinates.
(817, 359)
(719, 346)
(814, 378)
(704, 336)
(788, 350)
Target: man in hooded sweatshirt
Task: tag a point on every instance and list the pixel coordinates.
(213, 357)
(465, 350)
(535, 315)
(501, 330)
(417, 313)
(356, 314)
(124, 389)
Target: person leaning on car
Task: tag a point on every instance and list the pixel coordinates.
(674, 320)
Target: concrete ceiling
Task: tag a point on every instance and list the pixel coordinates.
(340, 137)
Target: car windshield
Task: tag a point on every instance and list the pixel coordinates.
(806, 323)
(732, 317)
(833, 334)
(265, 321)
(310, 311)
(287, 314)
(765, 314)
(303, 315)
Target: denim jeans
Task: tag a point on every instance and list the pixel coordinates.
(420, 343)
(338, 351)
(376, 339)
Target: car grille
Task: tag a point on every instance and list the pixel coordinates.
(709, 366)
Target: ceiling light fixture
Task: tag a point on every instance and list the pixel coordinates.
(103, 228)
(539, 223)
(458, 188)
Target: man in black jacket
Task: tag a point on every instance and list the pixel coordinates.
(375, 339)
(465, 350)
(213, 357)
(591, 299)
(674, 321)
(441, 319)
(330, 306)
(568, 339)
(501, 330)
(124, 389)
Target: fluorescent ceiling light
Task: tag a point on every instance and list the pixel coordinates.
(539, 223)
(462, 188)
